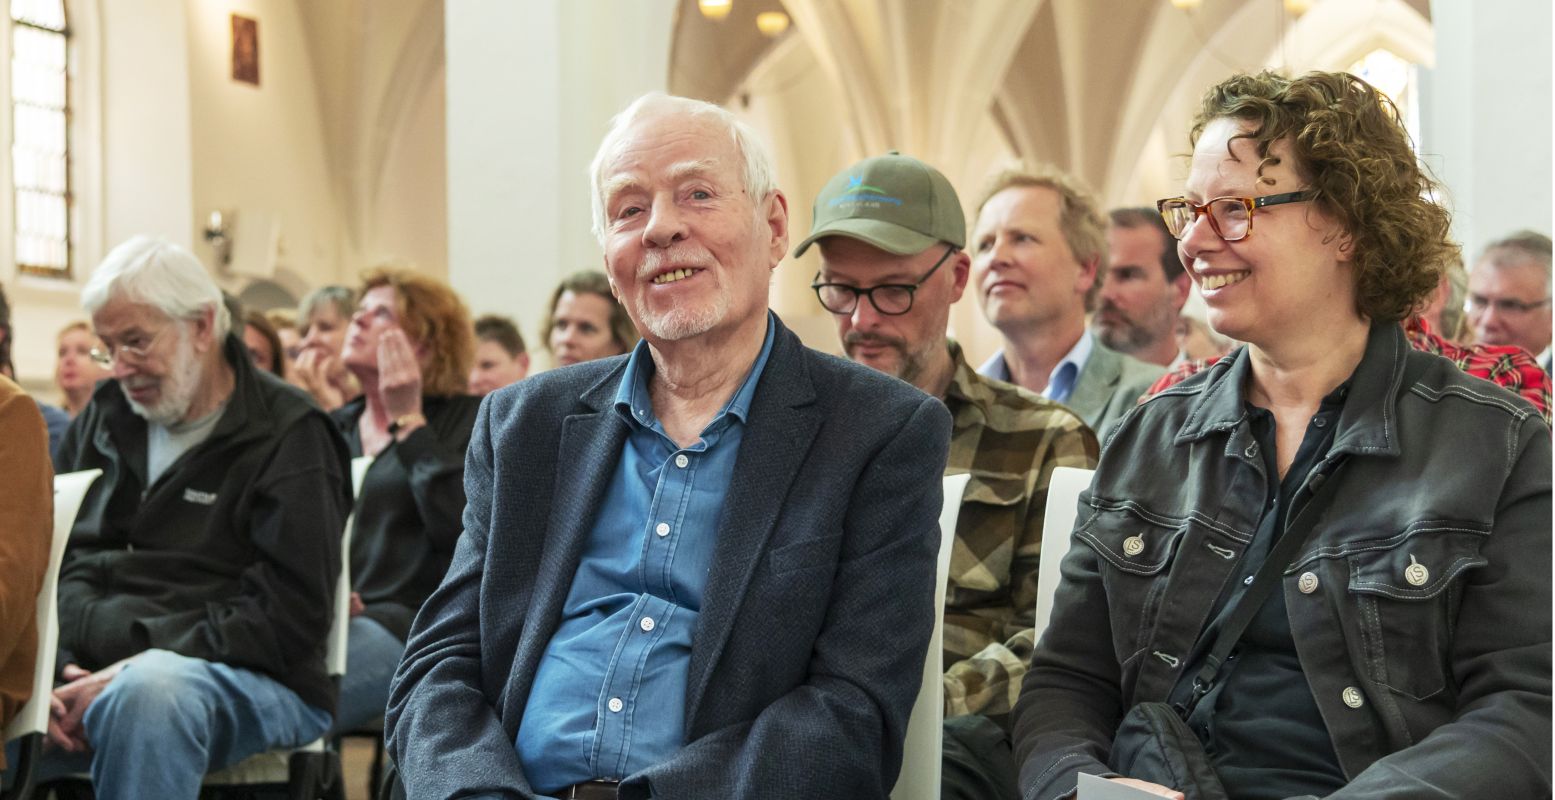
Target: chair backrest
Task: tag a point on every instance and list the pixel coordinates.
(69, 490)
(340, 627)
(1063, 497)
(921, 751)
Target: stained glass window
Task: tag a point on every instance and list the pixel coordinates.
(40, 139)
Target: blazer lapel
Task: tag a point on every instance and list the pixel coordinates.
(586, 458)
(1095, 383)
(777, 438)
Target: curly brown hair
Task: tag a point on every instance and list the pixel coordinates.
(1352, 150)
(431, 314)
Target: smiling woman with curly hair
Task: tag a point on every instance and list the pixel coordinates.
(1324, 561)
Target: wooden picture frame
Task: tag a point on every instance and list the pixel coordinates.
(245, 49)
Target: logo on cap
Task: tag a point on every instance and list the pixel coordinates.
(860, 193)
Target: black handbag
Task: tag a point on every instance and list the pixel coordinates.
(1154, 742)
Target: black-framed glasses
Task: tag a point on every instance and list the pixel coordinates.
(1230, 217)
(891, 299)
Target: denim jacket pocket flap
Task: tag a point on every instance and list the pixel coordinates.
(1130, 542)
(1418, 564)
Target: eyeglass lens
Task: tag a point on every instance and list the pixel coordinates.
(1228, 216)
(840, 299)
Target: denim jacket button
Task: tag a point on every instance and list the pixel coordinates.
(1307, 583)
(1133, 546)
(1352, 697)
(1416, 573)
(1251, 451)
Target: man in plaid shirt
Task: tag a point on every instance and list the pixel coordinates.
(891, 231)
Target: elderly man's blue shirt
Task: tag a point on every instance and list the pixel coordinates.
(609, 695)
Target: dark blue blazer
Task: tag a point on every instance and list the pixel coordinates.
(809, 650)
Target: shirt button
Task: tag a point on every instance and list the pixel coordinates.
(1352, 697)
(1307, 583)
(642, 412)
(646, 624)
(1247, 581)
(616, 705)
(1321, 422)
(662, 529)
(1416, 573)
(681, 461)
(1133, 546)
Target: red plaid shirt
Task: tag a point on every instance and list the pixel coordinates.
(1509, 367)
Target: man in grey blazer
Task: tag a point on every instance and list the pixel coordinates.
(1037, 254)
(704, 569)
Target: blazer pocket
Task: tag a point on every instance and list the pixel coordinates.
(805, 555)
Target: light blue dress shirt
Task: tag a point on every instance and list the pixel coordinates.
(609, 696)
(1061, 381)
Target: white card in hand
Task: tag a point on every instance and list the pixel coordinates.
(1094, 788)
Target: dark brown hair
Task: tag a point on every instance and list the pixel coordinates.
(494, 328)
(1142, 217)
(258, 321)
(1351, 149)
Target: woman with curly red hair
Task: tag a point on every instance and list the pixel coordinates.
(409, 345)
(1323, 562)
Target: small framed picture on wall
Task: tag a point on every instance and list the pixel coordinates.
(245, 49)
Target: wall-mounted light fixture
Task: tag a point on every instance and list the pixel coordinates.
(218, 234)
(772, 24)
(1296, 8)
(1187, 5)
(715, 10)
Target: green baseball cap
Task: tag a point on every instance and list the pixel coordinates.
(894, 202)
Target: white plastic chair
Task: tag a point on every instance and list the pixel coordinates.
(1063, 496)
(921, 751)
(33, 720)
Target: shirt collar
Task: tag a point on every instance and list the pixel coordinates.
(635, 405)
(1365, 424)
(1066, 373)
(999, 369)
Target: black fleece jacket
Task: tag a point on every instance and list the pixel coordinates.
(231, 556)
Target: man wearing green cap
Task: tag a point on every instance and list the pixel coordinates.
(890, 231)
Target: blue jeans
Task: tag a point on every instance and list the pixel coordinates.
(372, 653)
(165, 720)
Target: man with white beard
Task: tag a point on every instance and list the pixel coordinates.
(704, 569)
(197, 590)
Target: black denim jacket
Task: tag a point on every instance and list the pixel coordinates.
(1420, 603)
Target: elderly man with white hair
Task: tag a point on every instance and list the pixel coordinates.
(196, 592)
(702, 569)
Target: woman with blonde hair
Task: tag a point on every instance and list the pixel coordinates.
(409, 345)
(75, 372)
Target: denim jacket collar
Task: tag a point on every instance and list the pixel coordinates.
(1367, 425)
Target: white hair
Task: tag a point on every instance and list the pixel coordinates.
(760, 179)
(158, 273)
